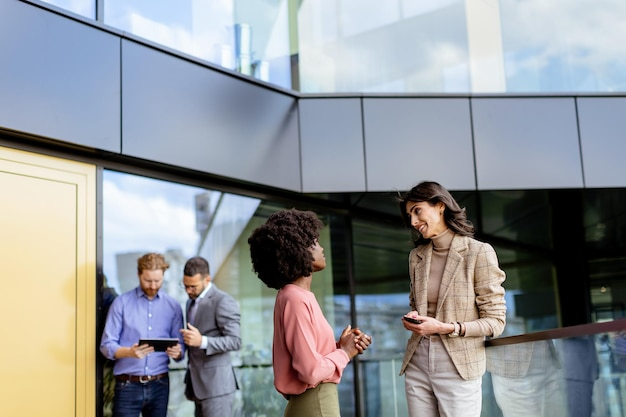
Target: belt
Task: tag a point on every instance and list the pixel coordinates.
(144, 379)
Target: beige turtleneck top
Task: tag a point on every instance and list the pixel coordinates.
(441, 247)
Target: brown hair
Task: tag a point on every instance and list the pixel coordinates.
(433, 193)
(196, 265)
(152, 262)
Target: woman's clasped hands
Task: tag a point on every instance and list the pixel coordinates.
(354, 341)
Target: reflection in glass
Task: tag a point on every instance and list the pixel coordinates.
(563, 46)
(613, 372)
(518, 224)
(366, 283)
(400, 46)
(391, 47)
(380, 253)
(85, 8)
(249, 37)
(142, 215)
(605, 236)
(571, 377)
(527, 379)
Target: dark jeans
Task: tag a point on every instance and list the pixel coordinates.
(133, 398)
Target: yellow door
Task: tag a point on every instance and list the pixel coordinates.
(47, 276)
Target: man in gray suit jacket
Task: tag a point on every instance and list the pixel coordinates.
(212, 332)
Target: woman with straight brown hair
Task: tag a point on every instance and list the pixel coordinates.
(456, 299)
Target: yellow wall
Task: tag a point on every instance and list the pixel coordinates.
(48, 281)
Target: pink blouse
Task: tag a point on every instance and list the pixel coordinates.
(305, 352)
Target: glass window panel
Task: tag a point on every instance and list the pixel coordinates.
(256, 300)
(270, 40)
(366, 279)
(611, 395)
(143, 214)
(517, 216)
(381, 47)
(605, 231)
(447, 46)
(86, 8)
(559, 375)
(199, 28)
(518, 225)
(337, 304)
(564, 46)
(381, 298)
(250, 37)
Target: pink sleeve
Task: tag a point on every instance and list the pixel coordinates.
(310, 341)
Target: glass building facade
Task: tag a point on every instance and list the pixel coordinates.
(399, 46)
(563, 249)
(538, 235)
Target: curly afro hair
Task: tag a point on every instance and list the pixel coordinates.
(281, 248)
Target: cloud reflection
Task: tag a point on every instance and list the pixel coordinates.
(143, 214)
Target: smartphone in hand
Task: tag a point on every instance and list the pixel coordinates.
(411, 320)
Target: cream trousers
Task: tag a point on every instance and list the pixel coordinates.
(434, 387)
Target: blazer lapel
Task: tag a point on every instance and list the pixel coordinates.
(458, 251)
(421, 266)
(207, 297)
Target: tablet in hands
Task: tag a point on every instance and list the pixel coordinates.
(159, 344)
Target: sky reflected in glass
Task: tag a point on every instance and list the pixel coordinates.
(146, 215)
(400, 46)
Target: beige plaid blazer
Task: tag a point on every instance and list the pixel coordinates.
(471, 292)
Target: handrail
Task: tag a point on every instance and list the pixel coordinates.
(560, 333)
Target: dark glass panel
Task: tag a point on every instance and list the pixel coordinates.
(517, 224)
(605, 234)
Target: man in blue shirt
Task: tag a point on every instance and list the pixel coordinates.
(145, 312)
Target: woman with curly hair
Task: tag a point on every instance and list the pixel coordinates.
(457, 300)
(308, 363)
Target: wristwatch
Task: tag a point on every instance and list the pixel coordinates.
(457, 330)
